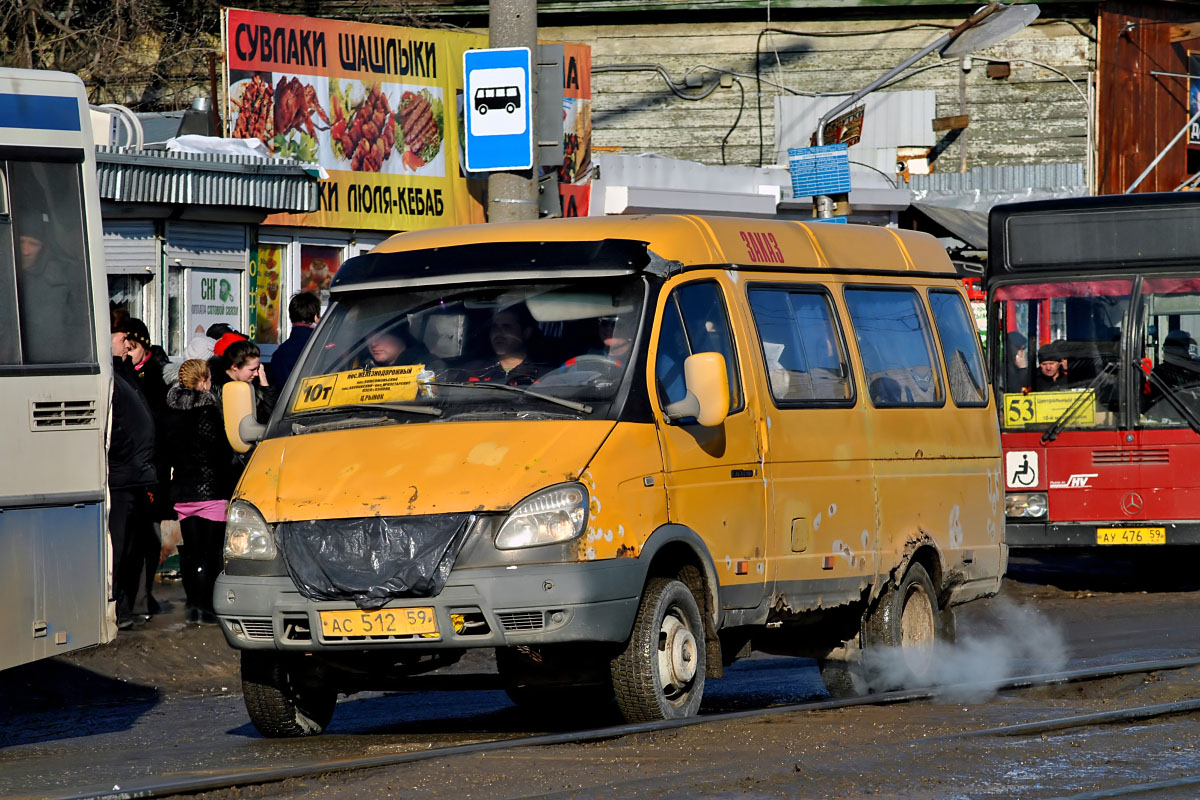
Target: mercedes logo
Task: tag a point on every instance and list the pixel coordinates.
(1132, 503)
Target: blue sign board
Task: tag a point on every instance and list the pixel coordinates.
(499, 123)
(819, 170)
(41, 112)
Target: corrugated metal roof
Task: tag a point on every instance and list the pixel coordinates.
(1006, 178)
(160, 176)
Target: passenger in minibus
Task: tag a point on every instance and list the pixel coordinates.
(512, 336)
(394, 346)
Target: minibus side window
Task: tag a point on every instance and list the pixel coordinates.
(694, 321)
(805, 360)
(896, 348)
(960, 348)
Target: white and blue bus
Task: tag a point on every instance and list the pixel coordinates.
(55, 374)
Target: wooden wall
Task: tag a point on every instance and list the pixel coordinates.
(1034, 116)
(1139, 113)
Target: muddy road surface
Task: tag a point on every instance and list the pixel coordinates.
(165, 700)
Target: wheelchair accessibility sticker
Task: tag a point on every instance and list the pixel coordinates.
(1021, 469)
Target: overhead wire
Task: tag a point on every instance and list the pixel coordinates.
(678, 89)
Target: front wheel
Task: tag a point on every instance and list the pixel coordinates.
(280, 699)
(660, 673)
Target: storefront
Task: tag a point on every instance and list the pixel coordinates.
(181, 233)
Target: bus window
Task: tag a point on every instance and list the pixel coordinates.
(1170, 334)
(895, 346)
(10, 345)
(53, 311)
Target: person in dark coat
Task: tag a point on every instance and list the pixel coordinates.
(148, 361)
(1052, 368)
(1016, 356)
(131, 476)
(304, 311)
(241, 360)
(202, 482)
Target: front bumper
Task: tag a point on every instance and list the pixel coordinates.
(1083, 534)
(521, 605)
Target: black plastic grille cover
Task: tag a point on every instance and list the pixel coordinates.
(371, 560)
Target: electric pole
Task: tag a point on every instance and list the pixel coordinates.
(513, 195)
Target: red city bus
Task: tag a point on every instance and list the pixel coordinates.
(1095, 302)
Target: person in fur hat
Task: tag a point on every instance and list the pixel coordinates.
(202, 482)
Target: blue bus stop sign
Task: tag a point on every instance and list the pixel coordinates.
(499, 123)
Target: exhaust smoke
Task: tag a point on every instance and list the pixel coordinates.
(1022, 642)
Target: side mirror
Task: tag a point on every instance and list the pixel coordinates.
(237, 404)
(707, 385)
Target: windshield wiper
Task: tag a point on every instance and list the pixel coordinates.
(1170, 395)
(1052, 432)
(405, 407)
(341, 424)
(549, 398)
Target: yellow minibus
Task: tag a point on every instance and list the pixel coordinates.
(623, 452)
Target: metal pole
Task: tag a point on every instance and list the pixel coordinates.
(1163, 153)
(513, 195)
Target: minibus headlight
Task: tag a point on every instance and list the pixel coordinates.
(1027, 505)
(247, 534)
(552, 515)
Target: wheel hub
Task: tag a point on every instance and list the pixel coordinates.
(918, 632)
(677, 655)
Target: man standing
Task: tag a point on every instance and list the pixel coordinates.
(303, 311)
(131, 475)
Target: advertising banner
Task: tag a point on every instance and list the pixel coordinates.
(214, 295)
(378, 107)
(575, 174)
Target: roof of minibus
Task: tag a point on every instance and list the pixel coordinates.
(705, 240)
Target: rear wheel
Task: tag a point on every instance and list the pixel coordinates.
(282, 699)
(660, 674)
(900, 634)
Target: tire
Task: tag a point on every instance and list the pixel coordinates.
(280, 703)
(510, 108)
(901, 632)
(843, 679)
(660, 673)
(481, 108)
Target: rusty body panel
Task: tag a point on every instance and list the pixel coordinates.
(628, 494)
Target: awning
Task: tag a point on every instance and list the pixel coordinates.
(195, 179)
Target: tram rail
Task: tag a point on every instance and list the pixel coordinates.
(245, 778)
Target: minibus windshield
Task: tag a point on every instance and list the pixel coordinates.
(529, 351)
